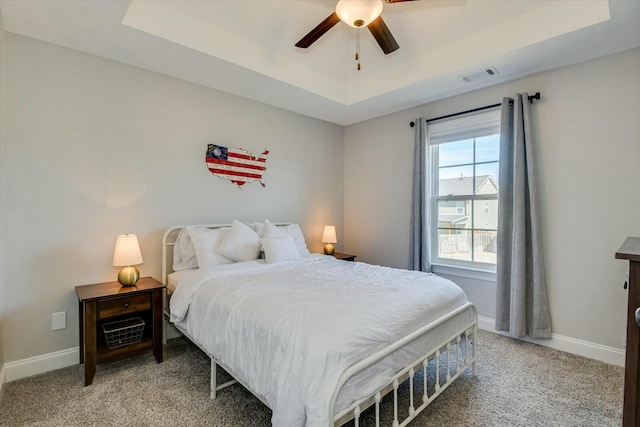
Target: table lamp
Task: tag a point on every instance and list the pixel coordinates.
(126, 255)
(329, 238)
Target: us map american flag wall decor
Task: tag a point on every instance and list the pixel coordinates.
(235, 164)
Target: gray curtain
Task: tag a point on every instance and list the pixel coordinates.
(419, 252)
(521, 294)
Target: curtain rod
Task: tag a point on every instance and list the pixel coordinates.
(486, 107)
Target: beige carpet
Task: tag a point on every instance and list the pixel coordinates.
(519, 384)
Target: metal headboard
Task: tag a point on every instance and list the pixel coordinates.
(169, 240)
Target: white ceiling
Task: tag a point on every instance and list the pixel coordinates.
(246, 47)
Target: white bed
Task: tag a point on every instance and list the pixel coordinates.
(318, 340)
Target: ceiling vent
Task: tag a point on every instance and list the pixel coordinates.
(479, 76)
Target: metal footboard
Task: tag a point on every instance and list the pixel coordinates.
(460, 351)
(465, 343)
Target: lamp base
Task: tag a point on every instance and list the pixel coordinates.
(329, 249)
(128, 276)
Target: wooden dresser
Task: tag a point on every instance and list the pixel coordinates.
(630, 251)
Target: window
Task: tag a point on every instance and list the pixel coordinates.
(464, 156)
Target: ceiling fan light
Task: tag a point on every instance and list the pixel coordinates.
(358, 13)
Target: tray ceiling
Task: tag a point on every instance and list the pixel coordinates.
(247, 47)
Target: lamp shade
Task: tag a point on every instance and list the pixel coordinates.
(127, 251)
(329, 234)
(358, 13)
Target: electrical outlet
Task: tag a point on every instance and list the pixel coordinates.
(59, 320)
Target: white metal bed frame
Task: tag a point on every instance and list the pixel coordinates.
(464, 341)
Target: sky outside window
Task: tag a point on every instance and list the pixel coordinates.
(453, 154)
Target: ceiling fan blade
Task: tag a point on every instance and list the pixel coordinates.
(383, 35)
(318, 31)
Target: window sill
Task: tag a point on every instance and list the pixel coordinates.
(469, 273)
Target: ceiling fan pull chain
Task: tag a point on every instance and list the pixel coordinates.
(358, 47)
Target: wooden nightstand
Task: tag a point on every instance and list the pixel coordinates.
(104, 303)
(344, 257)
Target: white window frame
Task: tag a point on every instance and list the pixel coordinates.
(465, 127)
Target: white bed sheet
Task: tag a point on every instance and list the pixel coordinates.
(174, 279)
(289, 330)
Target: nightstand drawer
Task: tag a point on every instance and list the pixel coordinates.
(123, 305)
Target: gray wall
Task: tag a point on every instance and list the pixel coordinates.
(587, 132)
(93, 148)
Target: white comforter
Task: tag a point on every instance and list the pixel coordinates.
(289, 330)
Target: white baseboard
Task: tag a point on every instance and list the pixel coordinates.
(40, 364)
(611, 355)
(12, 371)
(2, 375)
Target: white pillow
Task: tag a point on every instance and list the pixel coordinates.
(279, 249)
(292, 230)
(205, 242)
(258, 227)
(295, 232)
(184, 254)
(241, 243)
(269, 230)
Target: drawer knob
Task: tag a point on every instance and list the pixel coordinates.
(125, 305)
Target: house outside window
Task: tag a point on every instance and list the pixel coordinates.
(464, 156)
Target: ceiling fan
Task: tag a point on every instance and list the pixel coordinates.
(357, 14)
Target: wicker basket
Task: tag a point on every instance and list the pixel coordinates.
(123, 332)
